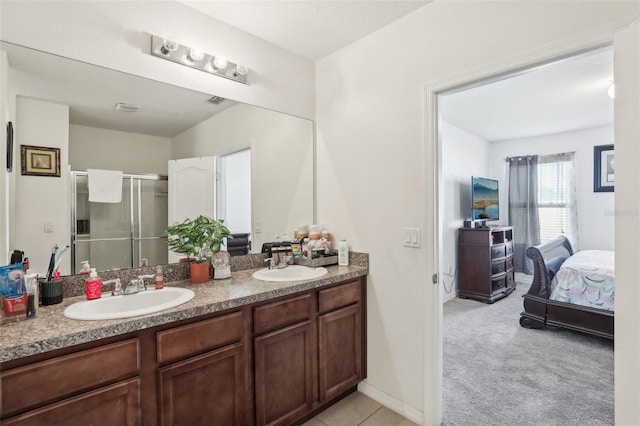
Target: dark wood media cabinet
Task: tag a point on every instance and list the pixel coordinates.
(485, 259)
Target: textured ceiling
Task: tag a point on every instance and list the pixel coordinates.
(559, 97)
(310, 28)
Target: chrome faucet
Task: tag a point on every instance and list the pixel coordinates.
(137, 285)
(284, 262)
(271, 264)
(117, 286)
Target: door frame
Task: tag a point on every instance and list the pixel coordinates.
(432, 164)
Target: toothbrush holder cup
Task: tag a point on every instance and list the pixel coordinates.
(51, 292)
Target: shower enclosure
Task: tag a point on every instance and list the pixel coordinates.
(119, 235)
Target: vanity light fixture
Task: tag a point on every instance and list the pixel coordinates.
(198, 59)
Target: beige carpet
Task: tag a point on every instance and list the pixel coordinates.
(498, 373)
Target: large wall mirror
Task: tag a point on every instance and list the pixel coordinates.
(264, 161)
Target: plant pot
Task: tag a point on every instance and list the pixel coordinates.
(199, 272)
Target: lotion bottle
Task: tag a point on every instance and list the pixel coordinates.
(343, 253)
(159, 278)
(93, 286)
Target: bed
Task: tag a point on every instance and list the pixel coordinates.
(573, 291)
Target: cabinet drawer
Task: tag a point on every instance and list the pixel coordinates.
(198, 337)
(509, 247)
(337, 297)
(498, 251)
(117, 404)
(24, 387)
(509, 263)
(282, 313)
(497, 267)
(498, 283)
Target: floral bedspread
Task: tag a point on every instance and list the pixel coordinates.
(587, 279)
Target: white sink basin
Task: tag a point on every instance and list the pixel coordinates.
(290, 273)
(130, 305)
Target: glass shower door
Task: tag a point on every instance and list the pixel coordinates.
(120, 235)
(102, 230)
(150, 213)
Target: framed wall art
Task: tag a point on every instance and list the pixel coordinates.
(40, 161)
(604, 168)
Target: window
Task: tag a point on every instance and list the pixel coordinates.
(556, 197)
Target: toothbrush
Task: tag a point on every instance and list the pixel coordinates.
(55, 268)
(52, 262)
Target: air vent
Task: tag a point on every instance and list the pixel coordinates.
(127, 107)
(216, 100)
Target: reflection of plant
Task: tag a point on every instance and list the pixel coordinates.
(198, 237)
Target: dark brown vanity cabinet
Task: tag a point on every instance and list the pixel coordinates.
(206, 386)
(340, 339)
(75, 389)
(274, 363)
(485, 258)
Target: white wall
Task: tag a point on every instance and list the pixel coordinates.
(463, 155)
(596, 230)
(371, 153)
(43, 124)
(94, 148)
(282, 163)
(5, 117)
(116, 34)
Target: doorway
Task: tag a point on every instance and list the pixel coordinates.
(433, 163)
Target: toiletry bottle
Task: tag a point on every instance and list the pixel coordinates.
(85, 267)
(159, 278)
(343, 253)
(93, 285)
(31, 281)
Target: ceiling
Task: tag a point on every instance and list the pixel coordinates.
(92, 93)
(312, 29)
(563, 96)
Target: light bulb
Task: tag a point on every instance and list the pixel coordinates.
(168, 46)
(238, 71)
(196, 54)
(612, 91)
(220, 62)
(241, 70)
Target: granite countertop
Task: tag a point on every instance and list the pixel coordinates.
(50, 330)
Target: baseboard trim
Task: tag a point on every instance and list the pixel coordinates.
(390, 402)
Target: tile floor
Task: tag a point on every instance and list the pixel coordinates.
(358, 409)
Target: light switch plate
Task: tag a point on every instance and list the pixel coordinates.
(412, 237)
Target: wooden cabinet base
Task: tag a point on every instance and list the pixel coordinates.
(272, 363)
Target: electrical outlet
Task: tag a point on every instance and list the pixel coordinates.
(48, 227)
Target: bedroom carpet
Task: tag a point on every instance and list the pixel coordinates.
(498, 373)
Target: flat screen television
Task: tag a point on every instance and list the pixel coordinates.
(485, 199)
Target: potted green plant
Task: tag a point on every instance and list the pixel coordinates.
(200, 237)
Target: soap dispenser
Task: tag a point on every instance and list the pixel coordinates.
(93, 285)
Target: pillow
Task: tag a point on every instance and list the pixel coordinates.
(554, 265)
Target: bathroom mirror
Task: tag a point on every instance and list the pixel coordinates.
(71, 105)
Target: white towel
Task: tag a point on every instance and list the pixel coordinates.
(105, 186)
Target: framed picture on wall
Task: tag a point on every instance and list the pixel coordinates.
(604, 170)
(40, 161)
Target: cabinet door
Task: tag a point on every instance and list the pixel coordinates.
(205, 390)
(340, 351)
(114, 405)
(283, 379)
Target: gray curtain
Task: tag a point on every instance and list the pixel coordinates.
(523, 209)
